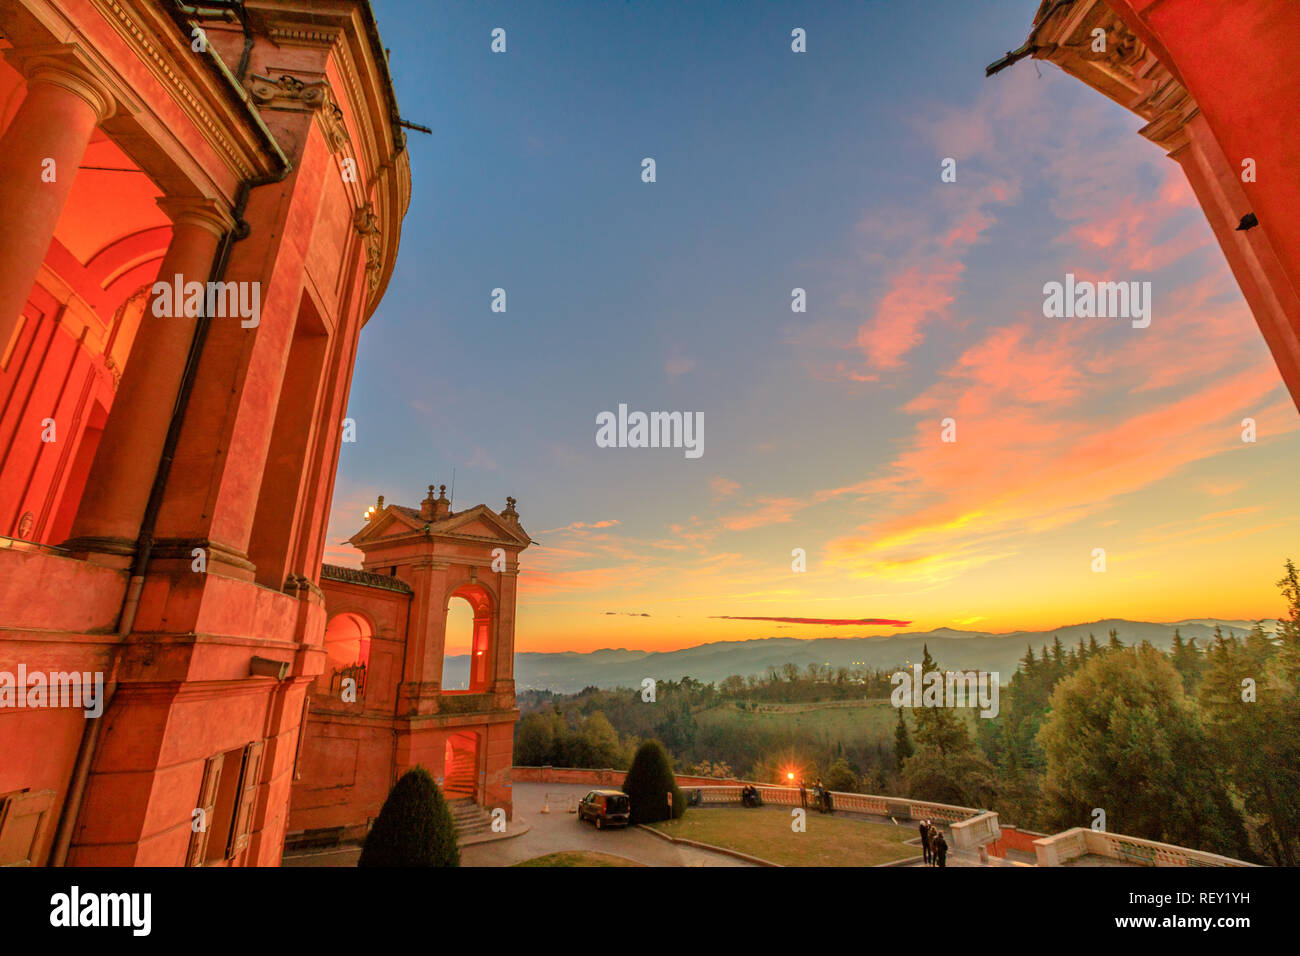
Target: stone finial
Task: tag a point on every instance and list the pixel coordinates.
(427, 506)
(441, 507)
(509, 511)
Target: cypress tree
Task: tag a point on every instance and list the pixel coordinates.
(902, 742)
(414, 827)
(648, 784)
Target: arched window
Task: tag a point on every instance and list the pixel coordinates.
(347, 650)
(466, 653)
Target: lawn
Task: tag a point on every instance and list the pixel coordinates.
(837, 840)
(578, 858)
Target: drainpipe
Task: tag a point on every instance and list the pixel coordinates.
(145, 542)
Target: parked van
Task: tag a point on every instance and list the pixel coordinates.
(609, 808)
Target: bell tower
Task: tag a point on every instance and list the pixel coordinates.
(464, 737)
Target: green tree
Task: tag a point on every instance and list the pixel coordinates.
(1188, 661)
(841, 777)
(938, 728)
(648, 783)
(1251, 699)
(414, 827)
(902, 742)
(535, 741)
(601, 742)
(1121, 736)
(964, 778)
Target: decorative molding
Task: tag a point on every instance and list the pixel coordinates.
(68, 67)
(134, 34)
(1126, 71)
(299, 582)
(288, 92)
(366, 222)
(209, 214)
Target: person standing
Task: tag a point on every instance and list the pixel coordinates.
(940, 850)
(803, 795)
(925, 840)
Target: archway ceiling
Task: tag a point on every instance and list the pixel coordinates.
(105, 207)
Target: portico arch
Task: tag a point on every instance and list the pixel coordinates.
(481, 638)
(347, 650)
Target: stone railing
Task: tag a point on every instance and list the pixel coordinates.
(975, 832)
(1082, 841)
(897, 807)
(707, 791)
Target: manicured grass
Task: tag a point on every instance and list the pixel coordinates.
(837, 840)
(578, 858)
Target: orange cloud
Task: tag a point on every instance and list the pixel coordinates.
(914, 298)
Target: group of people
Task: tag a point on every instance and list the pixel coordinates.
(749, 796)
(821, 797)
(934, 846)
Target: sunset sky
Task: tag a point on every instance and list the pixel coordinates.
(822, 430)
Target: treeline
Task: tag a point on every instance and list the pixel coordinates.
(788, 684)
(560, 729)
(1194, 746)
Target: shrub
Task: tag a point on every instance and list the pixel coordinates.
(648, 784)
(841, 777)
(414, 828)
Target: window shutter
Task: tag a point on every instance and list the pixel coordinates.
(249, 775)
(207, 803)
(22, 818)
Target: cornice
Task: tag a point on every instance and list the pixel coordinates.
(132, 25)
(1126, 71)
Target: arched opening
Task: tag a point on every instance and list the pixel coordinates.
(466, 657)
(347, 652)
(460, 765)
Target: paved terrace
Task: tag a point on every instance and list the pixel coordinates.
(552, 832)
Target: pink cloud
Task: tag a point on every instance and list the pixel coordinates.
(915, 297)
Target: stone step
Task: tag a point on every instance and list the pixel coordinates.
(471, 820)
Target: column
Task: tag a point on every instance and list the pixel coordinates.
(65, 101)
(121, 478)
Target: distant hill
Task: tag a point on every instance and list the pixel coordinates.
(570, 671)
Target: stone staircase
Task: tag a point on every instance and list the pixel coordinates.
(459, 778)
(472, 821)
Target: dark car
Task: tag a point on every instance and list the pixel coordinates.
(609, 808)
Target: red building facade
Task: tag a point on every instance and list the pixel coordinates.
(381, 705)
(166, 467)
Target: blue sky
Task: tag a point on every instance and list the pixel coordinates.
(819, 170)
